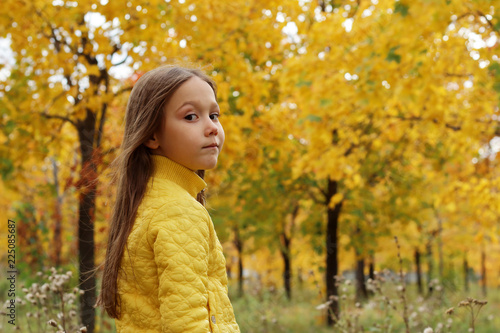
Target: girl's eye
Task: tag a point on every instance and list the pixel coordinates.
(190, 117)
(214, 116)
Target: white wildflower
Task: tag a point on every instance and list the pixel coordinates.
(323, 306)
(45, 287)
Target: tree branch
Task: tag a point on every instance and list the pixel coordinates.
(104, 107)
(435, 121)
(121, 91)
(45, 114)
(457, 75)
(54, 116)
(121, 62)
(492, 26)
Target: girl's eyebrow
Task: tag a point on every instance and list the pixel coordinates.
(197, 104)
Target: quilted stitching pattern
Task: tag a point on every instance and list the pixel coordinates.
(173, 272)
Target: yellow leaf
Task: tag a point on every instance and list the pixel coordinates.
(336, 199)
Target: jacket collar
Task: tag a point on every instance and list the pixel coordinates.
(165, 168)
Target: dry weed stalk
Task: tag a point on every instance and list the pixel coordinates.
(473, 306)
(402, 289)
(52, 304)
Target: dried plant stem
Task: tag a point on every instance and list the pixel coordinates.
(403, 289)
(328, 302)
(39, 320)
(474, 316)
(61, 293)
(29, 326)
(473, 326)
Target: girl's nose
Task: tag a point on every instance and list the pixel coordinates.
(211, 128)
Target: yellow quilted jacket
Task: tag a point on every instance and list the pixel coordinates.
(173, 272)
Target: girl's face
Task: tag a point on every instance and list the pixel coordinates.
(191, 133)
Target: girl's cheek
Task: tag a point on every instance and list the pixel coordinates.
(222, 136)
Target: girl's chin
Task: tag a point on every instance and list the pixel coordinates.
(209, 166)
(205, 165)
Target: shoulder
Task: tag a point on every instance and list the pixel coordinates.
(162, 194)
(167, 206)
(165, 202)
(164, 189)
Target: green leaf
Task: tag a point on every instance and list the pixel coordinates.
(247, 130)
(10, 126)
(6, 168)
(392, 56)
(495, 69)
(303, 83)
(313, 118)
(401, 9)
(359, 213)
(324, 102)
(496, 86)
(497, 25)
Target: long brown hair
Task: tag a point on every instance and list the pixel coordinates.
(134, 166)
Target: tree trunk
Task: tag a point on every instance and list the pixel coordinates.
(419, 272)
(332, 262)
(361, 292)
(371, 268)
(57, 241)
(240, 274)
(371, 273)
(88, 184)
(466, 273)
(287, 270)
(239, 247)
(430, 268)
(286, 241)
(483, 273)
(440, 249)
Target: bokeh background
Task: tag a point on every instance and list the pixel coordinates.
(348, 123)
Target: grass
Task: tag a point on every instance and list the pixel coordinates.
(266, 309)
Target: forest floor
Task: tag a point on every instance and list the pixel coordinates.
(268, 310)
(260, 310)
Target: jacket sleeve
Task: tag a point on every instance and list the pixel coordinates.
(180, 245)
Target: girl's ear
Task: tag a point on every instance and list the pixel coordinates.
(153, 142)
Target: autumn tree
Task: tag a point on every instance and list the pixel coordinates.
(66, 65)
(377, 72)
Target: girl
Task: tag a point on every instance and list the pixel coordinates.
(164, 269)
